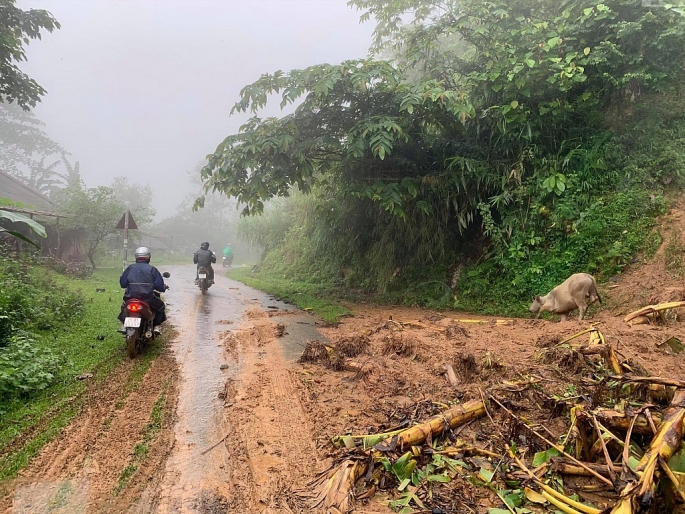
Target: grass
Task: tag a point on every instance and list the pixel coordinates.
(141, 450)
(311, 297)
(28, 423)
(673, 255)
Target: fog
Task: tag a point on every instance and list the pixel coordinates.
(144, 88)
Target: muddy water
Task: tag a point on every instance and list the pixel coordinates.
(197, 471)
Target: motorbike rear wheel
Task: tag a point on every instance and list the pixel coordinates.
(132, 343)
(203, 285)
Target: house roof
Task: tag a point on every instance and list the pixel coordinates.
(17, 191)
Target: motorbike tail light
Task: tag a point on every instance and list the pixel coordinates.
(134, 307)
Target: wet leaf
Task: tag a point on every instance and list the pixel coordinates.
(514, 498)
(534, 496)
(493, 510)
(674, 344)
(677, 461)
(486, 475)
(541, 457)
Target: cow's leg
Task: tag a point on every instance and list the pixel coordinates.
(564, 316)
(583, 309)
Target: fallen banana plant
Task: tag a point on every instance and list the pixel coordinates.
(567, 467)
(620, 421)
(652, 310)
(450, 418)
(650, 380)
(582, 333)
(638, 495)
(554, 497)
(334, 488)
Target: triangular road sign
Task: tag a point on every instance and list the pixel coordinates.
(131, 222)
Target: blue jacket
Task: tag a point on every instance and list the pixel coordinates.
(141, 280)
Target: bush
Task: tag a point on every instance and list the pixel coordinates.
(24, 367)
(30, 299)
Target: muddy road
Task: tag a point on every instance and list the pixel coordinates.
(198, 473)
(207, 428)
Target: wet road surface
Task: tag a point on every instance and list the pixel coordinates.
(196, 474)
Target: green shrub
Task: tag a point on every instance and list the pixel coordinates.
(24, 367)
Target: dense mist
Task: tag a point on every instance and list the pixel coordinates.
(143, 89)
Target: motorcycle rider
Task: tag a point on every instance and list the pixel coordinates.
(141, 280)
(228, 254)
(204, 257)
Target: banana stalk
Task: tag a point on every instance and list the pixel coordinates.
(665, 443)
(653, 309)
(450, 418)
(334, 488)
(567, 467)
(619, 420)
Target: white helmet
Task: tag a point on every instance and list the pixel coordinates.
(143, 253)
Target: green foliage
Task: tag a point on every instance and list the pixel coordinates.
(17, 27)
(93, 212)
(82, 349)
(14, 217)
(32, 300)
(536, 143)
(24, 367)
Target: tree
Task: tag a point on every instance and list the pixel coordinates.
(22, 141)
(94, 213)
(215, 223)
(17, 27)
(44, 178)
(135, 197)
(502, 135)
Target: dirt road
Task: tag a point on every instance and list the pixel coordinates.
(206, 429)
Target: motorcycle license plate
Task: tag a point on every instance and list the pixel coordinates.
(132, 322)
(202, 275)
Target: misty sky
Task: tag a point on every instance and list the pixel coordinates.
(143, 88)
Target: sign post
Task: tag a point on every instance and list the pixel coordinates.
(125, 223)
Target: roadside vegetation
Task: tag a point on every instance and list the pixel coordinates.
(57, 336)
(482, 156)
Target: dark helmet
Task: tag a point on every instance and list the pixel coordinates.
(205, 245)
(143, 254)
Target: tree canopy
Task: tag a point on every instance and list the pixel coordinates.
(501, 121)
(17, 28)
(507, 109)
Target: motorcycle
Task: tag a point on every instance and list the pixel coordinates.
(202, 280)
(138, 323)
(227, 261)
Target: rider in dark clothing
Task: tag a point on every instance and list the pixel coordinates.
(141, 280)
(203, 257)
